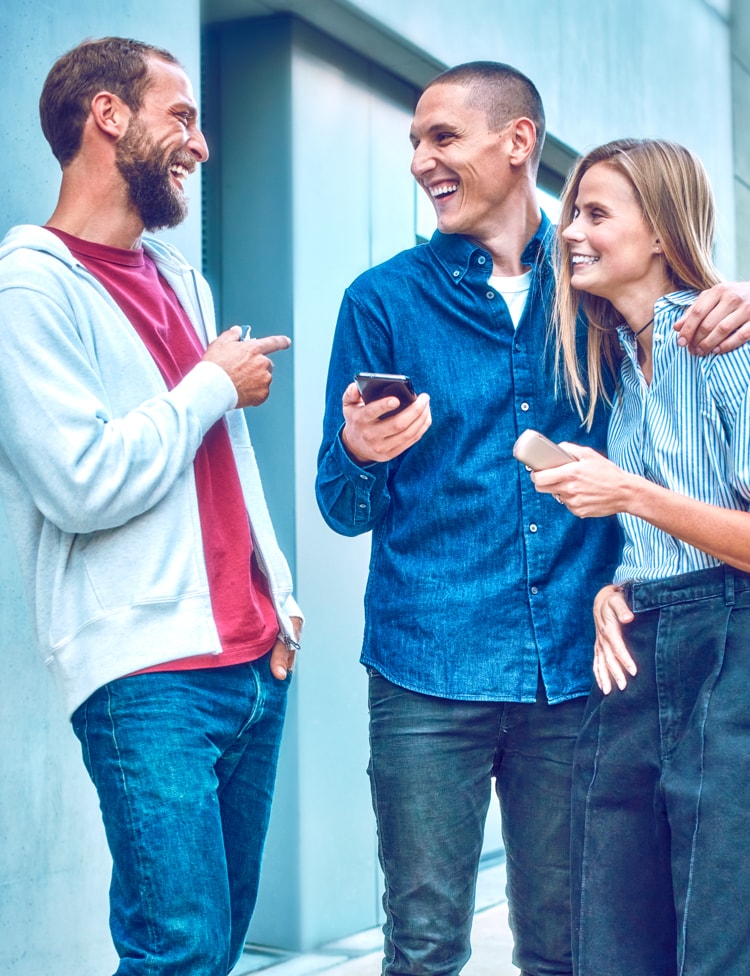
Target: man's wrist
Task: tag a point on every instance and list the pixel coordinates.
(353, 456)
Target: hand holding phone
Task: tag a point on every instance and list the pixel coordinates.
(377, 386)
(538, 452)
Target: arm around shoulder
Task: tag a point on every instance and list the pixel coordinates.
(718, 321)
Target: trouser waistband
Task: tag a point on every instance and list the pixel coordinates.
(719, 581)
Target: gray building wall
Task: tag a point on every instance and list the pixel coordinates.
(54, 863)
(308, 184)
(740, 42)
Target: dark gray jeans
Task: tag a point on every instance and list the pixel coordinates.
(661, 795)
(431, 765)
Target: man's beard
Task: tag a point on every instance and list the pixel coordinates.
(146, 173)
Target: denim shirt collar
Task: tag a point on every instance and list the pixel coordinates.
(457, 253)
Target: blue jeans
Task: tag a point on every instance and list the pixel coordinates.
(661, 797)
(431, 763)
(184, 764)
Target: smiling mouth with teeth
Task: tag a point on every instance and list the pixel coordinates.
(442, 190)
(586, 259)
(180, 173)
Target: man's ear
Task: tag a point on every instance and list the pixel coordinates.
(523, 135)
(110, 114)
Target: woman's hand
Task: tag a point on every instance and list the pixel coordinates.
(590, 486)
(612, 659)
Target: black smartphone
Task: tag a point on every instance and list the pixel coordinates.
(376, 386)
(538, 452)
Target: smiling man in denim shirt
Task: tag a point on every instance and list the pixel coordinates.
(478, 637)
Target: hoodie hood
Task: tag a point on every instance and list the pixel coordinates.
(36, 238)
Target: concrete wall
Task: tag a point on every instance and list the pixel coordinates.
(345, 202)
(313, 187)
(741, 114)
(316, 177)
(605, 69)
(54, 865)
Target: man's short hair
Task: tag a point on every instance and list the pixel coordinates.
(502, 92)
(114, 64)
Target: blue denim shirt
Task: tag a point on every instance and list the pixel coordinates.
(476, 580)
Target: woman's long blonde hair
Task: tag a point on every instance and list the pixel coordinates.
(675, 197)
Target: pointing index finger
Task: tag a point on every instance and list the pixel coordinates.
(272, 343)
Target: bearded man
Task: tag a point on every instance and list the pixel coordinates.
(161, 602)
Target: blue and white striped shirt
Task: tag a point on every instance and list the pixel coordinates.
(689, 430)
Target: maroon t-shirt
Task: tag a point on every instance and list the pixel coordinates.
(243, 611)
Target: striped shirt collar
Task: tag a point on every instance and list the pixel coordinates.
(664, 317)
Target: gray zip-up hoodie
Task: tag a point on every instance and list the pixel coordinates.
(96, 469)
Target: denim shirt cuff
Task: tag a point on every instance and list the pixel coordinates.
(376, 470)
(365, 479)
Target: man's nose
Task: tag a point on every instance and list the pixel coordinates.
(422, 161)
(197, 145)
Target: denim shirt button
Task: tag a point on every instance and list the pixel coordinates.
(490, 294)
(532, 527)
(363, 477)
(535, 590)
(524, 406)
(456, 274)
(481, 259)
(362, 505)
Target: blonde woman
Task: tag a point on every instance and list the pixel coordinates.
(662, 778)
